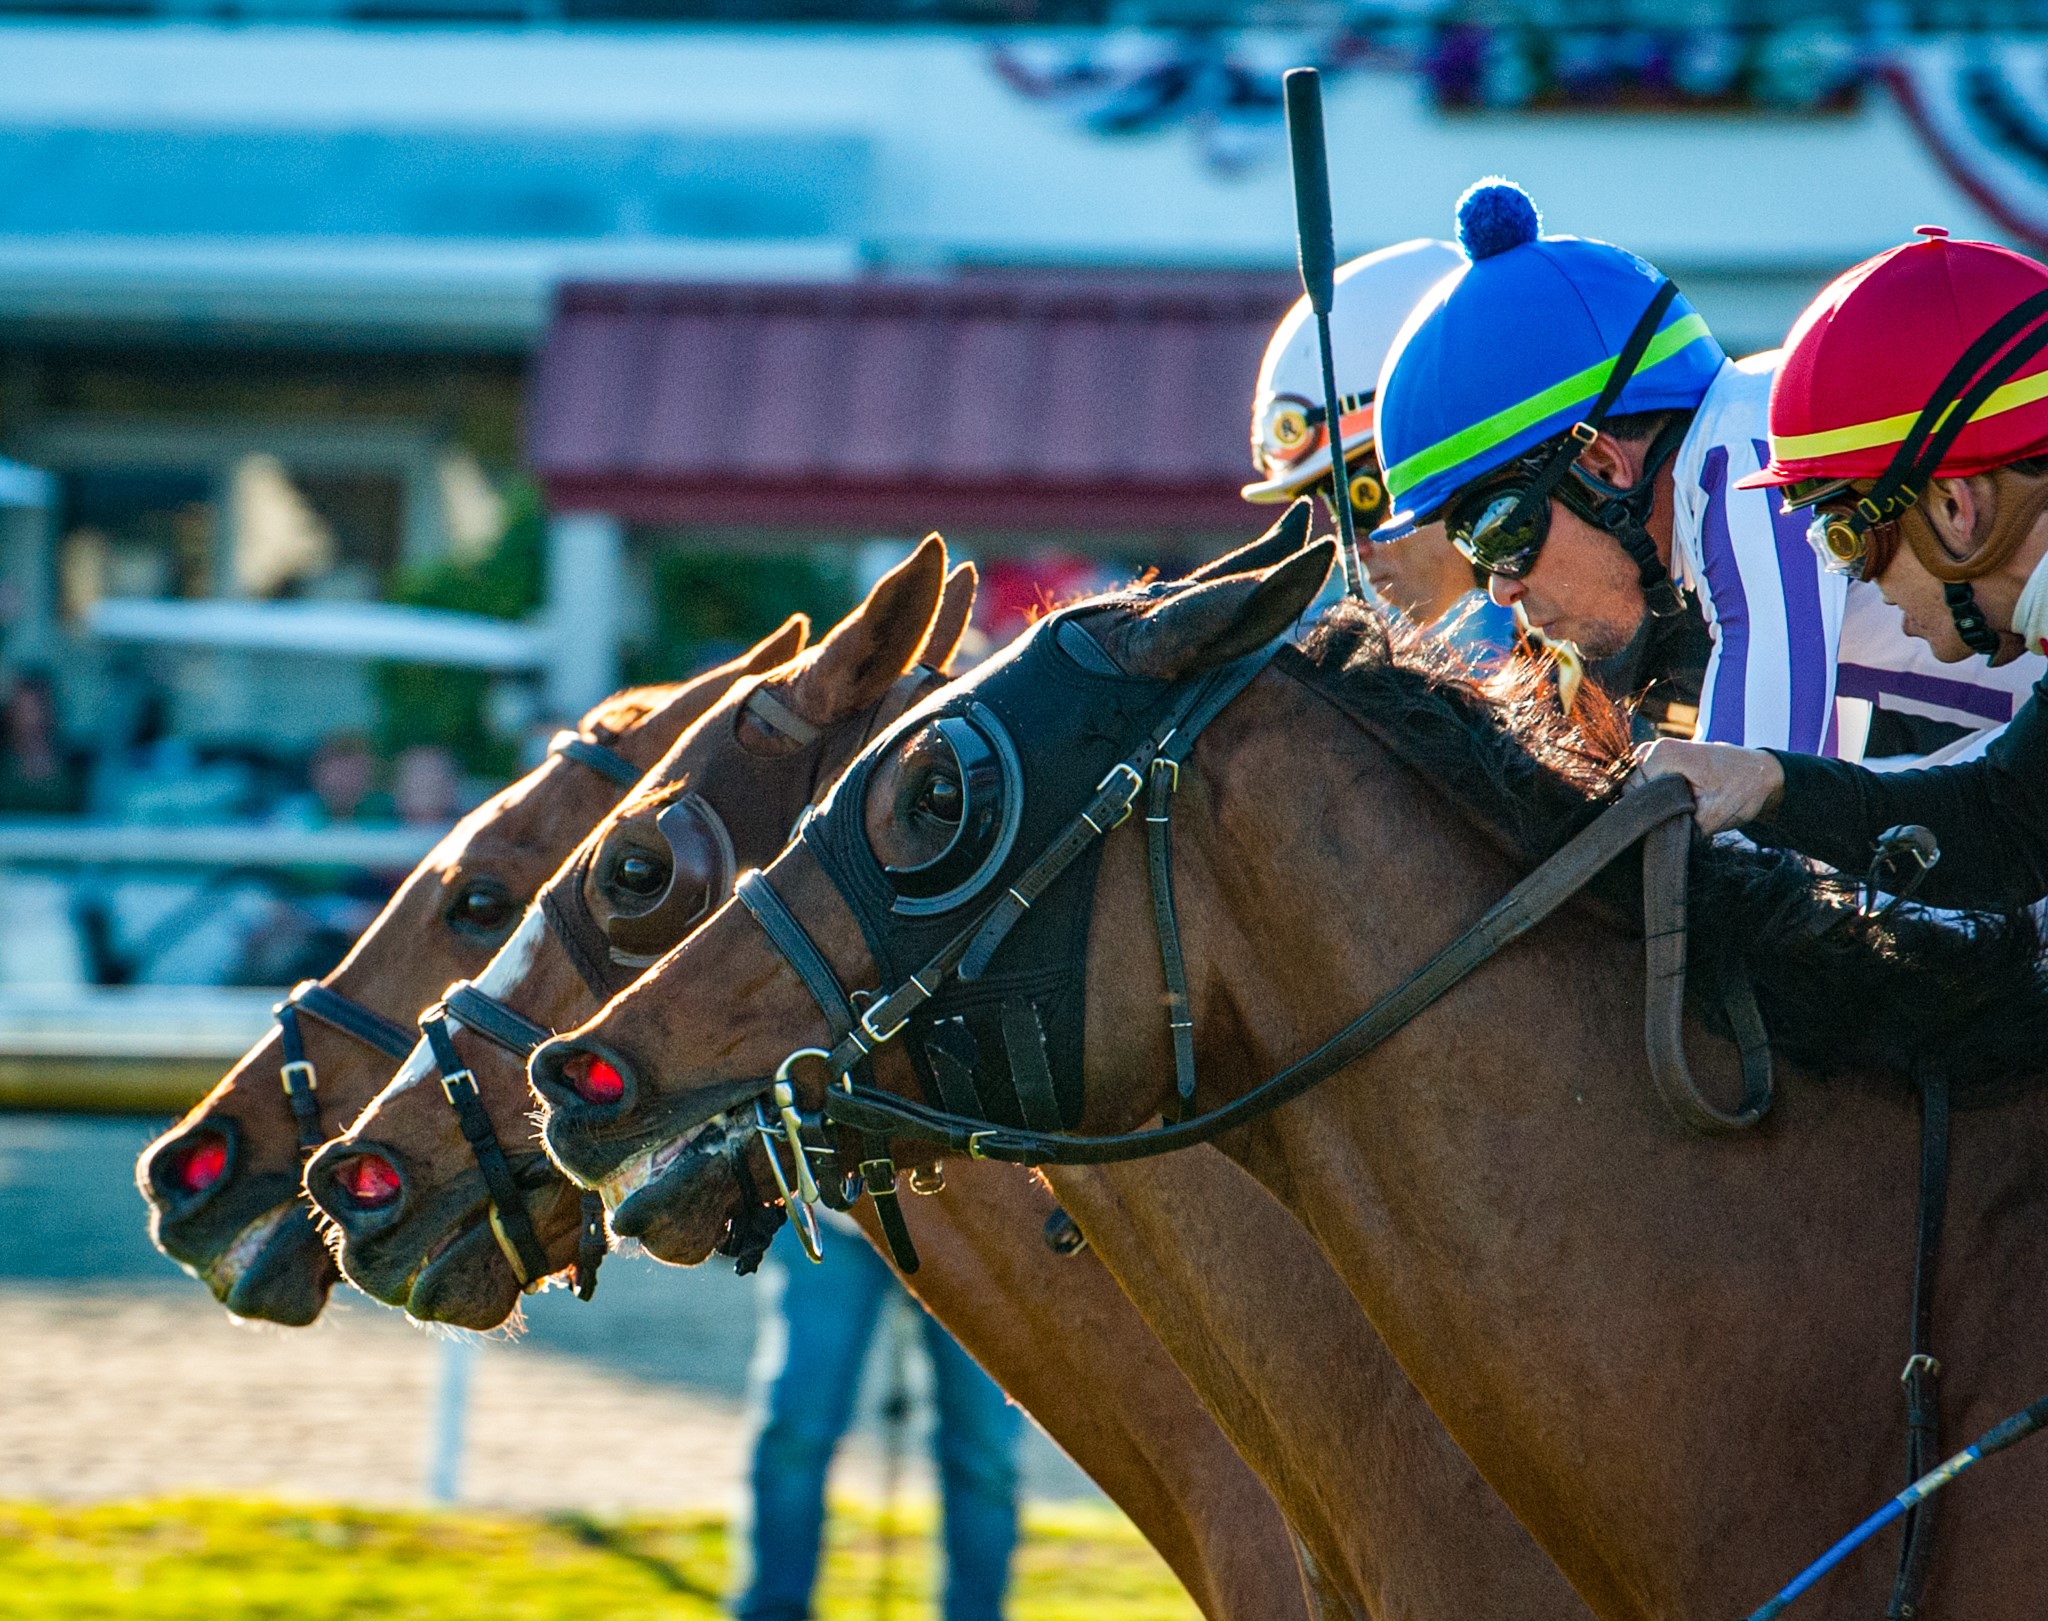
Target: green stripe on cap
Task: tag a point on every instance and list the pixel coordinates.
(1504, 424)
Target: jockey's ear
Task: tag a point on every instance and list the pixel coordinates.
(862, 656)
(956, 607)
(1277, 544)
(1219, 620)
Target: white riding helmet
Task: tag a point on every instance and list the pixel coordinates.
(1374, 296)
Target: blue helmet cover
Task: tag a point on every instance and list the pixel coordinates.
(1508, 352)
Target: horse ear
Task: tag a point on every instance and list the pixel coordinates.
(865, 653)
(779, 646)
(1277, 544)
(1219, 620)
(956, 607)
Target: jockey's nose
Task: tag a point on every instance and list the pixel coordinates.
(1504, 591)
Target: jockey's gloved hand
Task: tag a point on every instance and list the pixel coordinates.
(1731, 786)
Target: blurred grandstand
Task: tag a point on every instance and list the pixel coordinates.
(383, 381)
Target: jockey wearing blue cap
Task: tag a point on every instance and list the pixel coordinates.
(1568, 415)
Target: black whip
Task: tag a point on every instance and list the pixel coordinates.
(1316, 251)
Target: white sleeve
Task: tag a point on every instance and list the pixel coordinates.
(1774, 612)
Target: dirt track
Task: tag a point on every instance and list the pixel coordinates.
(123, 1394)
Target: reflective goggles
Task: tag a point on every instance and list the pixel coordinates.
(1496, 529)
(1846, 540)
(1500, 525)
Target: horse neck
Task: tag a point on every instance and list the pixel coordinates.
(1584, 1294)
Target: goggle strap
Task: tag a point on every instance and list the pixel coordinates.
(1583, 432)
(1955, 400)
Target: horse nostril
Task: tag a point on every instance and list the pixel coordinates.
(200, 1163)
(367, 1181)
(594, 1080)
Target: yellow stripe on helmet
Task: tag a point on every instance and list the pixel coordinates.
(1887, 431)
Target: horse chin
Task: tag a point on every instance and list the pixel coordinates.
(288, 1276)
(679, 1214)
(466, 1281)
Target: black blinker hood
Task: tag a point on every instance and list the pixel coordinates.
(1072, 721)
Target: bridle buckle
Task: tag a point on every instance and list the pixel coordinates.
(298, 1077)
(457, 1082)
(1137, 783)
(877, 1038)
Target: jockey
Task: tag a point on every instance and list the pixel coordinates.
(1911, 415)
(1421, 576)
(1632, 534)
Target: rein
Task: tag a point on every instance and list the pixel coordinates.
(1659, 812)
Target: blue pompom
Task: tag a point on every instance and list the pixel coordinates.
(1495, 215)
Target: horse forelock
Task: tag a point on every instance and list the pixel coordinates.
(1907, 993)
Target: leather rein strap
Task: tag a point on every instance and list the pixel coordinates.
(1662, 802)
(511, 1223)
(300, 1080)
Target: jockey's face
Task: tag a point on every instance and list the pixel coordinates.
(1583, 589)
(1422, 574)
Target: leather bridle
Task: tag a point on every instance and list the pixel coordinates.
(297, 1075)
(858, 1120)
(599, 966)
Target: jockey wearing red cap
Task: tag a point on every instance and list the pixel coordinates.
(1911, 414)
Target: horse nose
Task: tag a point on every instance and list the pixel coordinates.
(186, 1171)
(359, 1186)
(576, 1077)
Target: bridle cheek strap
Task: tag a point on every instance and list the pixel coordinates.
(511, 1222)
(300, 1080)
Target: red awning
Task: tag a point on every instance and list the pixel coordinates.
(1076, 404)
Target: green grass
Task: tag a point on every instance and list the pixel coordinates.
(234, 1559)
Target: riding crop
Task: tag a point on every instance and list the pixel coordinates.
(1996, 1439)
(1316, 252)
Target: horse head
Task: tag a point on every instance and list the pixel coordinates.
(223, 1185)
(414, 1220)
(931, 832)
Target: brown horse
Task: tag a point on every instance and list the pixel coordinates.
(1295, 1410)
(223, 1183)
(1676, 1360)
(988, 1274)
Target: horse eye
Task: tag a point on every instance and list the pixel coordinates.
(941, 799)
(637, 873)
(483, 907)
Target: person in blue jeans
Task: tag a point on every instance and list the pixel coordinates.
(817, 1323)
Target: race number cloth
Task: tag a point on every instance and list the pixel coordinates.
(1790, 638)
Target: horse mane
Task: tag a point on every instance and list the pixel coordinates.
(1912, 992)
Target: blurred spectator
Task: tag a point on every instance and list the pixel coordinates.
(38, 775)
(428, 785)
(343, 777)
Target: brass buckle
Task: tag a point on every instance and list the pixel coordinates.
(1584, 432)
(1130, 799)
(297, 1075)
(451, 1084)
(880, 1037)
